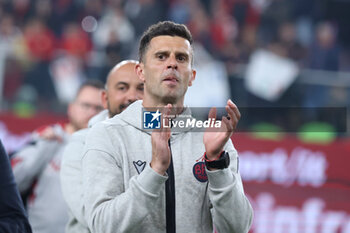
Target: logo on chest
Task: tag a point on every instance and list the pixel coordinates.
(199, 172)
(139, 165)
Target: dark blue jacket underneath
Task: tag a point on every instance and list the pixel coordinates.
(13, 218)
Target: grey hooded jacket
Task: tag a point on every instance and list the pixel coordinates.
(71, 177)
(122, 193)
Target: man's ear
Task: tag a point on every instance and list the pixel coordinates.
(139, 68)
(193, 77)
(104, 99)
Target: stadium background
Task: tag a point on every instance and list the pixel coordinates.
(264, 54)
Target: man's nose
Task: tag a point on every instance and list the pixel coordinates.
(172, 63)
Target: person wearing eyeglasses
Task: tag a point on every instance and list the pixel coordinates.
(36, 167)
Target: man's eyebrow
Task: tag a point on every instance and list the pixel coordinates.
(121, 83)
(161, 52)
(182, 53)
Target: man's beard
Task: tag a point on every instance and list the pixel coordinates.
(121, 108)
(169, 100)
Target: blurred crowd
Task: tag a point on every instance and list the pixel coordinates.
(48, 47)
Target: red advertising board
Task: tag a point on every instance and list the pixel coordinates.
(15, 131)
(295, 186)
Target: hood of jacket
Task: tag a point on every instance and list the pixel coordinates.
(101, 116)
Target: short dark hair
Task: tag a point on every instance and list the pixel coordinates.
(95, 83)
(164, 28)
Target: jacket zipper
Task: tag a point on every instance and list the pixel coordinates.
(170, 196)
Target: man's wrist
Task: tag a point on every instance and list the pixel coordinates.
(159, 169)
(223, 161)
(212, 156)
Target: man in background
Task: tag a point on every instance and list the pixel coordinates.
(36, 167)
(123, 87)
